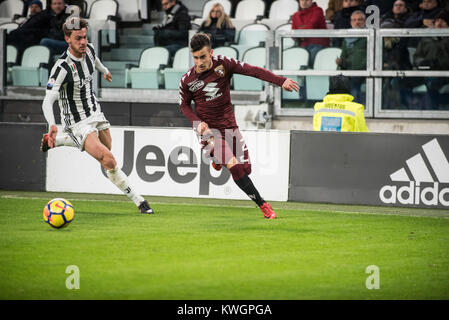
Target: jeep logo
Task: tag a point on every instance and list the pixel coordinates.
(152, 170)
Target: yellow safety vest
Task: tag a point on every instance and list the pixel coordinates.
(337, 112)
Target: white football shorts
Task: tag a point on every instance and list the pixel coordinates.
(78, 132)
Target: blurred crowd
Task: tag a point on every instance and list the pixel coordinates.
(44, 27)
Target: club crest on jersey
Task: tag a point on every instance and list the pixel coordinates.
(195, 85)
(51, 83)
(220, 71)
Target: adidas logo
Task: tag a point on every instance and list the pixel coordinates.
(430, 169)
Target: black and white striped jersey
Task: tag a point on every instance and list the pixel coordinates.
(73, 78)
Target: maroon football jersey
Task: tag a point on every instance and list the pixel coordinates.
(211, 91)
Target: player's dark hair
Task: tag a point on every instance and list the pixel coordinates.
(199, 41)
(74, 24)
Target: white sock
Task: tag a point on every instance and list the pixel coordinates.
(63, 139)
(119, 178)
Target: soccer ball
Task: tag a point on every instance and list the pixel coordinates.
(58, 213)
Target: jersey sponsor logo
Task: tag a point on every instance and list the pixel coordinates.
(195, 85)
(51, 83)
(83, 81)
(220, 71)
(423, 187)
(211, 91)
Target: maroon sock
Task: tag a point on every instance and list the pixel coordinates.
(245, 184)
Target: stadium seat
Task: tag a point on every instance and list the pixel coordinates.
(102, 16)
(318, 86)
(33, 70)
(129, 10)
(11, 60)
(147, 74)
(181, 64)
(227, 5)
(255, 57)
(249, 9)
(293, 59)
(283, 9)
(226, 52)
(411, 53)
(286, 42)
(250, 36)
(195, 7)
(10, 8)
(444, 89)
(9, 26)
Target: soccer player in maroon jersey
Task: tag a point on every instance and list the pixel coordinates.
(208, 85)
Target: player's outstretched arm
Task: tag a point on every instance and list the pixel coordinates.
(262, 74)
(101, 68)
(290, 85)
(47, 108)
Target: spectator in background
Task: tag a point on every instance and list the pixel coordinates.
(31, 31)
(333, 7)
(337, 111)
(433, 53)
(397, 91)
(383, 5)
(342, 18)
(310, 16)
(396, 17)
(353, 54)
(413, 5)
(35, 7)
(219, 26)
(173, 33)
(425, 16)
(54, 40)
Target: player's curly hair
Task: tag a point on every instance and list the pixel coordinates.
(73, 24)
(199, 41)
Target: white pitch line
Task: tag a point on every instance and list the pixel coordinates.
(243, 206)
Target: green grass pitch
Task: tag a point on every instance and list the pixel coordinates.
(220, 249)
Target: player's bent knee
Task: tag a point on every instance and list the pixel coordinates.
(108, 161)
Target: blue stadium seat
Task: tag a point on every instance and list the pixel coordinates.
(255, 57)
(318, 86)
(147, 74)
(30, 72)
(226, 52)
(180, 66)
(251, 36)
(293, 59)
(11, 60)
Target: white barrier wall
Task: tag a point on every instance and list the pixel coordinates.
(167, 162)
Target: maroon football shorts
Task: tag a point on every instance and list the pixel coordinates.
(226, 144)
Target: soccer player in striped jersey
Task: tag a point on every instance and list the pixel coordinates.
(85, 126)
(208, 85)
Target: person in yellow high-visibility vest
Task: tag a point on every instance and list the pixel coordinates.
(337, 111)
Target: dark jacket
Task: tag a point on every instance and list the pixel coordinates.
(31, 31)
(388, 20)
(55, 31)
(383, 5)
(220, 36)
(175, 27)
(353, 54)
(342, 19)
(395, 54)
(432, 52)
(416, 20)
